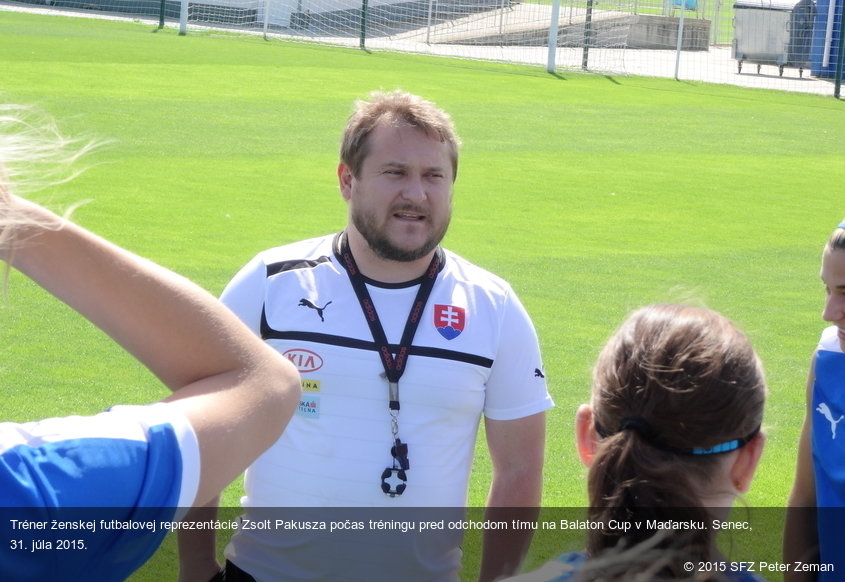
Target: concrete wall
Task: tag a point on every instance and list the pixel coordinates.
(607, 30)
(661, 32)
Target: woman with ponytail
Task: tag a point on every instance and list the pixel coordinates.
(671, 437)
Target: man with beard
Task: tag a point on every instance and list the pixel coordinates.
(402, 346)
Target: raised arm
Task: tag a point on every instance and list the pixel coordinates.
(237, 393)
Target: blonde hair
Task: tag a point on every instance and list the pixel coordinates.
(34, 155)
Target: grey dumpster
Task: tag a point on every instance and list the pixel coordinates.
(773, 32)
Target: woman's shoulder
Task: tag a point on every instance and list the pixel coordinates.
(830, 340)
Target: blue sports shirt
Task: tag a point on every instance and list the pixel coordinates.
(828, 445)
(85, 498)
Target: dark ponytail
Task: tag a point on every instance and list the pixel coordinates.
(631, 482)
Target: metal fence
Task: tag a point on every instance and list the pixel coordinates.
(790, 45)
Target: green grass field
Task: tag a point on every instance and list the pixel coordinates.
(593, 195)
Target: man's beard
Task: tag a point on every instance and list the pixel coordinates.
(381, 245)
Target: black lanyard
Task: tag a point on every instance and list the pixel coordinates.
(394, 365)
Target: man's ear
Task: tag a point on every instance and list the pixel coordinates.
(745, 463)
(345, 177)
(586, 437)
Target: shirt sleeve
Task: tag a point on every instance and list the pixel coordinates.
(75, 461)
(829, 340)
(244, 294)
(517, 386)
(115, 477)
(176, 432)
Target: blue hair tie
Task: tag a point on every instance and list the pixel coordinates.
(725, 447)
(642, 427)
(841, 224)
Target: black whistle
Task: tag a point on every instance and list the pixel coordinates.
(400, 452)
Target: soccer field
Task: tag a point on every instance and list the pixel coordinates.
(592, 195)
